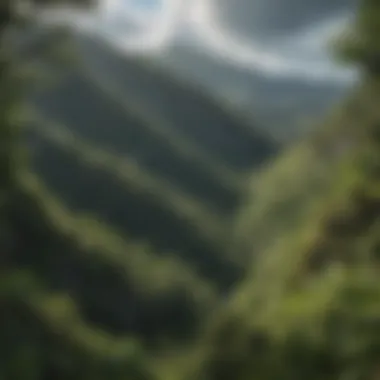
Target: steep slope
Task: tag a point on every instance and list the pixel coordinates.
(94, 116)
(280, 198)
(68, 252)
(311, 302)
(196, 115)
(80, 301)
(134, 203)
(151, 174)
(173, 138)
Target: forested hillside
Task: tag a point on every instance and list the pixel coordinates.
(149, 233)
(143, 156)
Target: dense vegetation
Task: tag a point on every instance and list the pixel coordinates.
(135, 247)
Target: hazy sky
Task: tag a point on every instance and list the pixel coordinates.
(280, 37)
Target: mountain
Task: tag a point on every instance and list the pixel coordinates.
(117, 229)
(114, 268)
(263, 97)
(120, 144)
(281, 106)
(119, 226)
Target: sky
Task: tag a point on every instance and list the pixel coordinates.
(278, 37)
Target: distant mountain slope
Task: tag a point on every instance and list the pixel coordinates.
(123, 228)
(94, 116)
(198, 147)
(126, 142)
(277, 105)
(125, 197)
(198, 116)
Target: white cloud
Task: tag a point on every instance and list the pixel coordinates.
(269, 59)
(300, 55)
(154, 29)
